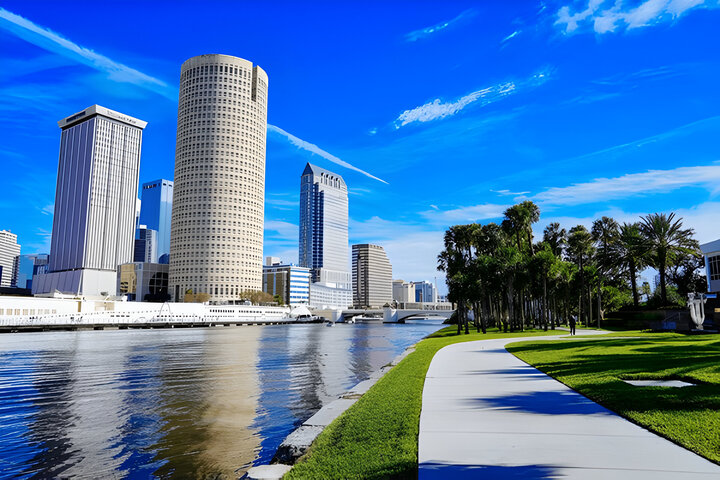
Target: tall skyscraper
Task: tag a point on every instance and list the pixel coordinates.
(216, 243)
(9, 253)
(324, 236)
(371, 276)
(94, 221)
(156, 213)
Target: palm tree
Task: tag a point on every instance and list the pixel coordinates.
(605, 232)
(556, 238)
(514, 224)
(632, 254)
(531, 214)
(666, 239)
(580, 250)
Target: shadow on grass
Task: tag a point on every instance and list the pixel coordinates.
(543, 403)
(597, 368)
(442, 471)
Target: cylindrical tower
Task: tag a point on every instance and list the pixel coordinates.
(216, 239)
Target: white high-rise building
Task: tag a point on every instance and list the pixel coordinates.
(216, 240)
(324, 237)
(97, 184)
(371, 276)
(9, 258)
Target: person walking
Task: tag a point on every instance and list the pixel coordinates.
(572, 324)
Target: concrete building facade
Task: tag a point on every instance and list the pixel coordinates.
(9, 253)
(323, 242)
(95, 200)
(371, 276)
(156, 213)
(216, 240)
(403, 292)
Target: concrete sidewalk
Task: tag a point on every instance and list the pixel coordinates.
(486, 414)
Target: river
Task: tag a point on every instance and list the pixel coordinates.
(175, 403)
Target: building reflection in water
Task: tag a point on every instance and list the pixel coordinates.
(209, 399)
(185, 403)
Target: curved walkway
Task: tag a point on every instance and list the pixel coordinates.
(487, 414)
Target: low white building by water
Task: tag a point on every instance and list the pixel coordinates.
(39, 312)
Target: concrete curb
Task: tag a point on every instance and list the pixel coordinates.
(298, 442)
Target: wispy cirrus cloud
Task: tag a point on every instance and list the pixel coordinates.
(439, 27)
(471, 213)
(282, 229)
(439, 109)
(631, 185)
(598, 190)
(510, 37)
(411, 248)
(48, 209)
(314, 149)
(118, 72)
(506, 192)
(53, 42)
(605, 16)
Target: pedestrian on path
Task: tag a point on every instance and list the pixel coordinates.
(572, 324)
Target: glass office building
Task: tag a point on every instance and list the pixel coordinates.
(323, 239)
(156, 199)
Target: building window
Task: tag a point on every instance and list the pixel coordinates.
(714, 267)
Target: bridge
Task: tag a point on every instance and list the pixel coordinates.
(390, 314)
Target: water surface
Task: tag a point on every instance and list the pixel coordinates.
(175, 403)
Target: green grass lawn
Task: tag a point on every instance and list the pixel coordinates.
(689, 416)
(377, 437)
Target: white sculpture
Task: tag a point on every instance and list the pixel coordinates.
(696, 304)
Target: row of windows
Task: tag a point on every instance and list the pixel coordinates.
(27, 311)
(714, 263)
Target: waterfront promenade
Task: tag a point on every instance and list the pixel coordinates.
(485, 413)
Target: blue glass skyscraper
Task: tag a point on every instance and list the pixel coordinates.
(156, 200)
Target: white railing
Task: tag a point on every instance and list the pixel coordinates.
(136, 318)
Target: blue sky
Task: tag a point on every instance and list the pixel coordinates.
(434, 113)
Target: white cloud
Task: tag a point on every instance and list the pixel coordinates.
(632, 184)
(55, 43)
(358, 191)
(703, 218)
(285, 230)
(607, 16)
(438, 109)
(428, 31)
(312, 148)
(511, 36)
(411, 248)
(472, 213)
(506, 192)
(42, 245)
(48, 209)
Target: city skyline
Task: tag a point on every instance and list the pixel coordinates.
(583, 109)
